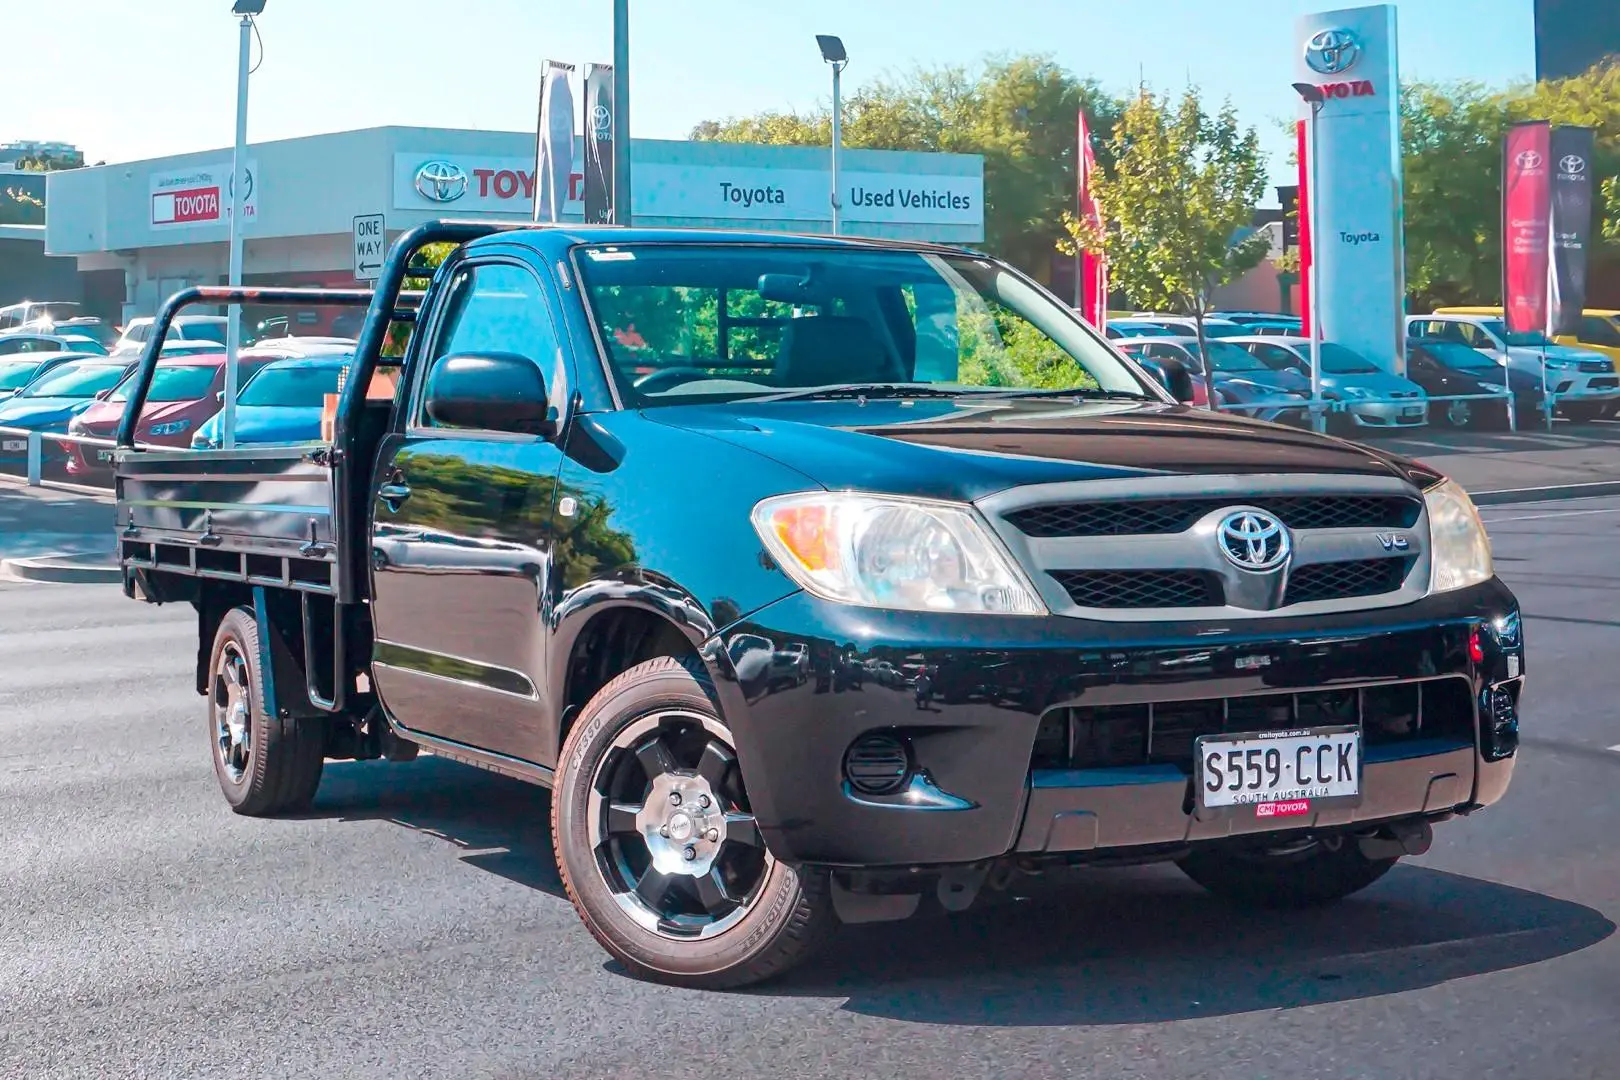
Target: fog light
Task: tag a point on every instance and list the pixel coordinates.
(877, 764)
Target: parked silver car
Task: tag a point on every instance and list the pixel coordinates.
(1374, 397)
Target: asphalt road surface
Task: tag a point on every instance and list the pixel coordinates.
(411, 925)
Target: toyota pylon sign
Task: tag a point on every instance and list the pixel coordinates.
(1357, 238)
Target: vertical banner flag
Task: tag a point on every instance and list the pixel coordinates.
(554, 143)
(1302, 155)
(1526, 225)
(1350, 56)
(1570, 152)
(599, 144)
(1093, 287)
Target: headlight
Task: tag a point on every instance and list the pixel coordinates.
(1459, 550)
(888, 552)
(1359, 392)
(174, 428)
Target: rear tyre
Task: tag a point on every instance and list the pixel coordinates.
(1307, 874)
(265, 764)
(658, 848)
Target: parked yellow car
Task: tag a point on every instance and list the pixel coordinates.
(1600, 329)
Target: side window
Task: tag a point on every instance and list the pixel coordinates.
(9, 347)
(1596, 330)
(495, 307)
(137, 334)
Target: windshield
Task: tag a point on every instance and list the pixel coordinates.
(1524, 338)
(1454, 354)
(198, 331)
(14, 374)
(1338, 360)
(1229, 357)
(174, 384)
(75, 381)
(1220, 330)
(292, 386)
(725, 323)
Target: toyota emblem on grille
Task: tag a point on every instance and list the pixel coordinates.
(1253, 540)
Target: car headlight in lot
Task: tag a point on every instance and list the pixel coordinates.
(172, 428)
(889, 552)
(1359, 393)
(1459, 550)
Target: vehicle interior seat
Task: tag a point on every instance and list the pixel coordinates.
(824, 349)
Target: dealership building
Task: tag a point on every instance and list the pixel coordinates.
(165, 222)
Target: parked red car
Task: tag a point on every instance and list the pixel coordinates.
(185, 393)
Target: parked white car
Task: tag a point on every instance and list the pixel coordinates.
(210, 328)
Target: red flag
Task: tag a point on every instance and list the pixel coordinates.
(1093, 268)
(1526, 225)
(1302, 155)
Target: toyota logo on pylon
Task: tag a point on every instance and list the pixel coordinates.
(601, 119)
(1332, 52)
(441, 181)
(1572, 164)
(1528, 159)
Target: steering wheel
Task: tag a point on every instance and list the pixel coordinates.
(668, 378)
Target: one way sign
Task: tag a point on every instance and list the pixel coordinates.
(370, 242)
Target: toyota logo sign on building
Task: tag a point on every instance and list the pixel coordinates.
(1332, 52)
(441, 181)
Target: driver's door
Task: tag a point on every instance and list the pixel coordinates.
(462, 531)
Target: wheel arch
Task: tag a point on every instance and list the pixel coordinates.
(595, 643)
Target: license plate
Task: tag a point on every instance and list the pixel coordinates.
(1279, 773)
(104, 455)
(1412, 412)
(14, 444)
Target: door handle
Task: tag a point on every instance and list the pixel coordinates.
(392, 495)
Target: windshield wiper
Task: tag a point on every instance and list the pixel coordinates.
(837, 391)
(1073, 392)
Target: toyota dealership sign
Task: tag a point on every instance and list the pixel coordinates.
(201, 196)
(503, 185)
(1356, 241)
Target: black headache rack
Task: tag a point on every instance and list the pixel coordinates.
(278, 517)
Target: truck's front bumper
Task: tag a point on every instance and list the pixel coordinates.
(985, 785)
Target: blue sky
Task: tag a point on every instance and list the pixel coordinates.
(127, 79)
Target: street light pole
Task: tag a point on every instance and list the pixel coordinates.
(832, 51)
(621, 112)
(1314, 98)
(246, 9)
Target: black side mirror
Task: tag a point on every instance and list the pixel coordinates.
(1178, 381)
(490, 391)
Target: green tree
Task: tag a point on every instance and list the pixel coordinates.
(1020, 113)
(1177, 202)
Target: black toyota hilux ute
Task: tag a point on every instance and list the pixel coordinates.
(823, 580)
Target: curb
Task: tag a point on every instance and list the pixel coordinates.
(81, 569)
(1593, 490)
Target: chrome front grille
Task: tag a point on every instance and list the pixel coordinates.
(1139, 588)
(1343, 580)
(1141, 517)
(1148, 548)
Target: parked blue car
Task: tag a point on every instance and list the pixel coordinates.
(53, 399)
(280, 404)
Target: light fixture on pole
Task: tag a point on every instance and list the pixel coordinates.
(245, 10)
(1313, 96)
(832, 51)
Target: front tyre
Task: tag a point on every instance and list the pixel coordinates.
(265, 764)
(1308, 873)
(658, 848)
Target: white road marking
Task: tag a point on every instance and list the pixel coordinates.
(1560, 514)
